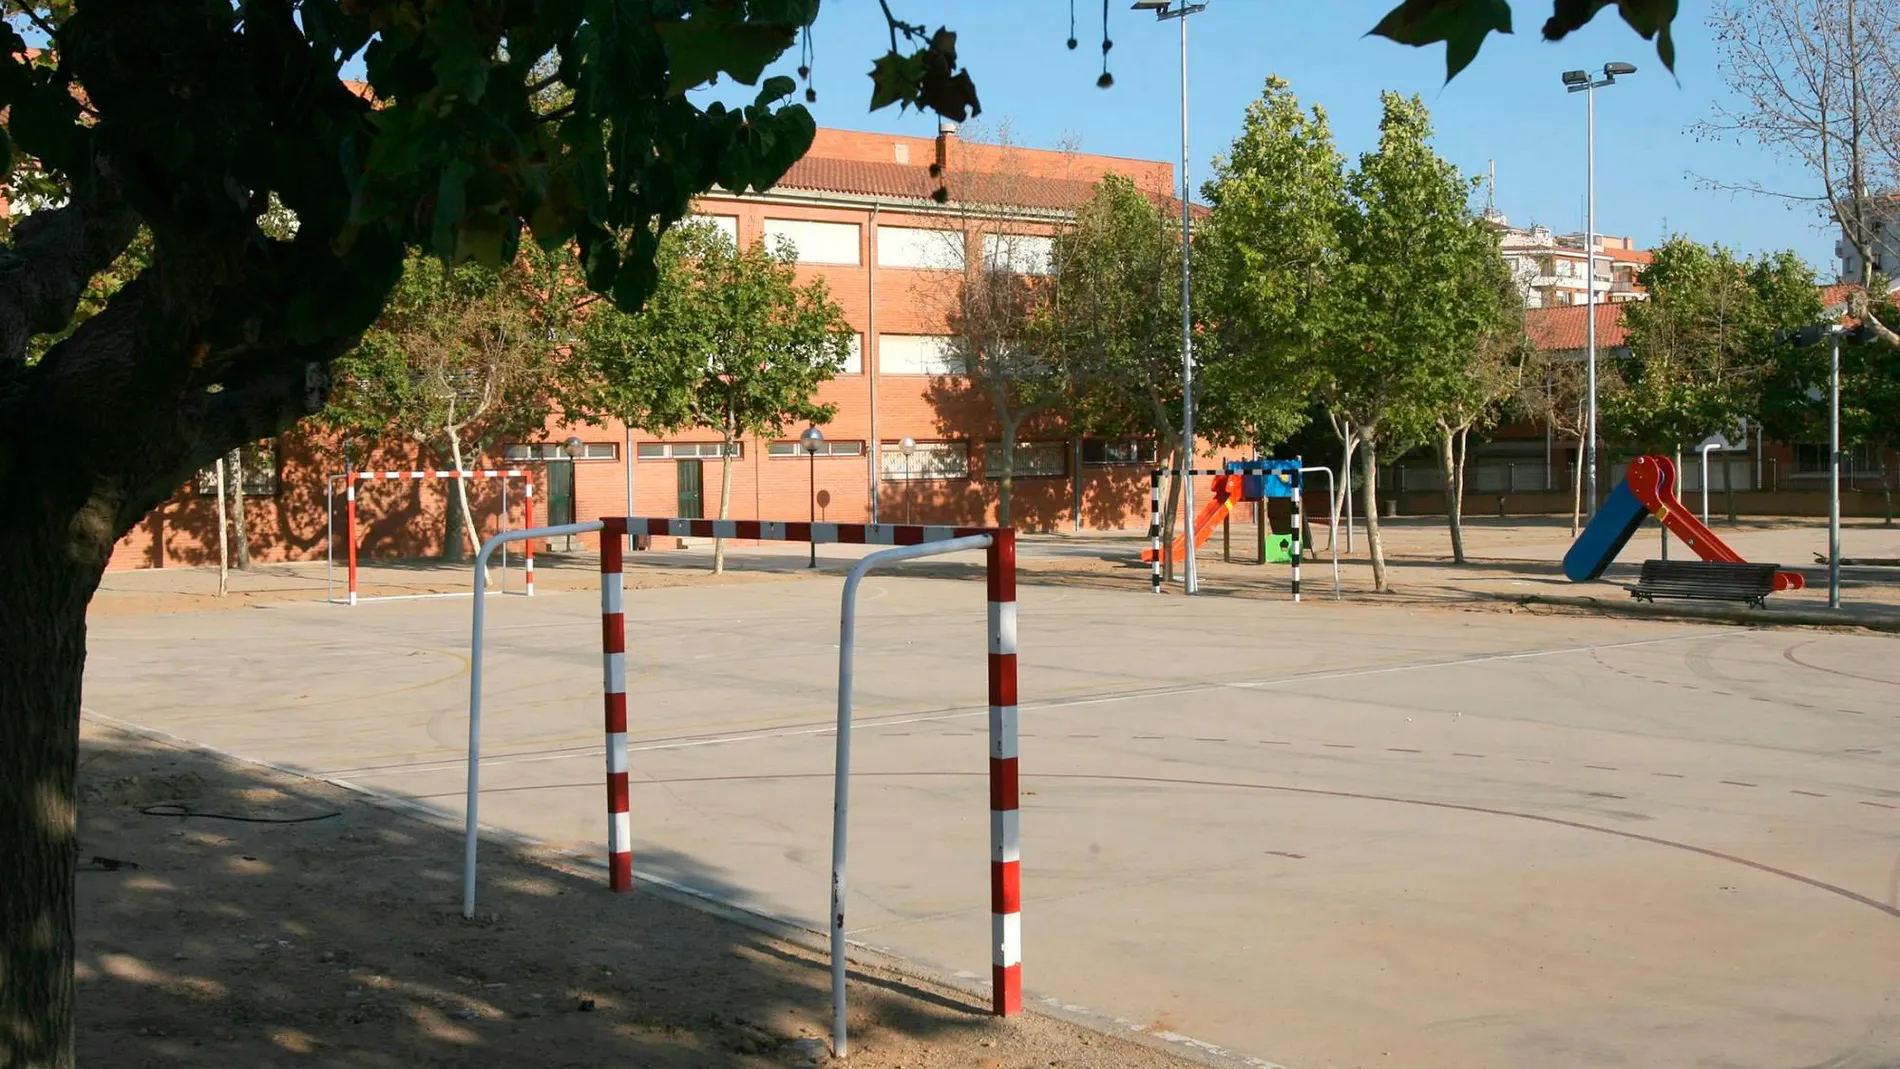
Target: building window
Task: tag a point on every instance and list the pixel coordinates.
(826, 448)
(259, 477)
(684, 450)
(932, 460)
(1032, 460)
(1101, 451)
(816, 243)
(558, 451)
(854, 356)
(1024, 254)
(725, 224)
(920, 247)
(919, 354)
(1860, 459)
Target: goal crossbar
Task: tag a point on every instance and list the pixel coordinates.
(351, 532)
(1005, 861)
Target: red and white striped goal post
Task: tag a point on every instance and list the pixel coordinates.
(1005, 850)
(527, 515)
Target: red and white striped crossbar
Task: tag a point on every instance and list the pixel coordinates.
(1006, 898)
(469, 473)
(350, 479)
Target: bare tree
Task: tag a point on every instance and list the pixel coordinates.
(1818, 81)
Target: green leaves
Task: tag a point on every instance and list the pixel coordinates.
(926, 78)
(1463, 25)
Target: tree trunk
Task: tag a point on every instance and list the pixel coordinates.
(1369, 486)
(1458, 460)
(1448, 467)
(241, 542)
(224, 546)
(1576, 489)
(1006, 486)
(725, 498)
(469, 532)
(1170, 508)
(1342, 486)
(42, 661)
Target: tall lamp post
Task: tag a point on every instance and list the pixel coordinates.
(1587, 83)
(907, 445)
(572, 447)
(810, 441)
(1190, 579)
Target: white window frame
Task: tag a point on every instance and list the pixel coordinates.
(664, 451)
(854, 356)
(920, 248)
(946, 360)
(852, 448)
(1024, 254)
(1144, 449)
(815, 252)
(993, 459)
(954, 462)
(531, 451)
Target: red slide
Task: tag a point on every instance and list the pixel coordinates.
(1652, 479)
(1212, 513)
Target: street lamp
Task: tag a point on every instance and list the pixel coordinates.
(1190, 580)
(907, 445)
(809, 442)
(1587, 83)
(572, 447)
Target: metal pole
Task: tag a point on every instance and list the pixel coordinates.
(627, 455)
(1333, 505)
(329, 536)
(907, 488)
(1190, 579)
(471, 817)
(1834, 472)
(841, 772)
(1345, 483)
(812, 494)
(1704, 449)
(1590, 284)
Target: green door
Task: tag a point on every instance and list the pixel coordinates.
(691, 483)
(560, 493)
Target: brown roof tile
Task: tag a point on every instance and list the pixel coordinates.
(1564, 327)
(907, 182)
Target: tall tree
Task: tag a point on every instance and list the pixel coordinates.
(1553, 390)
(462, 358)
(1792, 394)
(748, 345)
(1114, 321)
(1401, 316)
(995, 267)
(1264, 254)
(1489, 376)
(1700, 345)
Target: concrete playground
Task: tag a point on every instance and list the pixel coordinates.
(1327, 834)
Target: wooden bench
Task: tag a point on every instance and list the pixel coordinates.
(1706, 580)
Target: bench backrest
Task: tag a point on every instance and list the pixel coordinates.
(1709, 573)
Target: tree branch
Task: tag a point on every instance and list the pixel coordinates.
(53, 256)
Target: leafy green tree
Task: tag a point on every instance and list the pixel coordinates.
(1401, 317)
(1114, 321)
(729, 341)
(1701, 344)
(1793, 392)
(1495, 350)
(462, 359)
(1263, 255)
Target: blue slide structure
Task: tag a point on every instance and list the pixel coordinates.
(1616, 521)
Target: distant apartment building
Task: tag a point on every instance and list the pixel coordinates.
(1551, 269)
(1886, 245)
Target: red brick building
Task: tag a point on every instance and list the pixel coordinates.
(860, 210)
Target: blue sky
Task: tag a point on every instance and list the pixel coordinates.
(1509, 106)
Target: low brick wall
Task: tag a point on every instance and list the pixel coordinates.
(1864, 504)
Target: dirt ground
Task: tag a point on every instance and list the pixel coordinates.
(231, 915)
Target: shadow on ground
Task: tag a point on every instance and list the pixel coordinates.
(232, 916)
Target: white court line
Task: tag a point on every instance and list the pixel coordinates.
(593, 752)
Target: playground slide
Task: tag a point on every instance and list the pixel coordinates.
(1649, 488)
(1653, 481)
(1219, 504)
